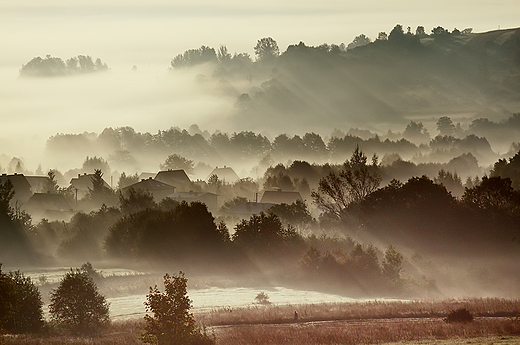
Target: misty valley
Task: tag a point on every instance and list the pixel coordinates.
(371, 190)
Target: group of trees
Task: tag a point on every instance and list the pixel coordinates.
(78, 308)
(267, 49)
(55, 66)
(359, 270)
(127, 150)
(76, 305)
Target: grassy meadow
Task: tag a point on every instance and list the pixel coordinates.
(376, 322)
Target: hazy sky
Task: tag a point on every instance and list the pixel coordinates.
(150, 33)
(136, 32)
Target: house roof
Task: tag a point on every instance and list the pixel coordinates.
(48, 201)
(150, 184)
(225, 174)
(248, 208)
(21, 186)
(37, 183)
(84, 182)
(280, 197)
(173, 177)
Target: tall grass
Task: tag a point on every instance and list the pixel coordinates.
(360, 310)
(374, 322)
(367, 332)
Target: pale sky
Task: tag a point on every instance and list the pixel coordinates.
(153, 31)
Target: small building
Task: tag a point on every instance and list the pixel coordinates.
(225, 174)
(38, 183)
(22, 187)
(83, 183)
(158, 189)
(49, 206)
(278, 196)
(210, 199)
(177, 178)
(247, 209)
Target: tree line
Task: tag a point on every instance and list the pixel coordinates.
(127, 150)
(50, 66)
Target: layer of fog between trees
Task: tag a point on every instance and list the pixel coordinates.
(463, 207)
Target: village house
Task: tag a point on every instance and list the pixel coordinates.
(176, 178)
(82, 185)
(278, 196)
(159, 190)
(225, 174)
(49, 206)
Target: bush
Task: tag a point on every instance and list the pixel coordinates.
(77, 306)
(459, 315)
(262, 298)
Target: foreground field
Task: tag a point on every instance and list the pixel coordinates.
(398, 322)
(460, 341)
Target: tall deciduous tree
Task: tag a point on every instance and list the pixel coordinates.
(336, 192)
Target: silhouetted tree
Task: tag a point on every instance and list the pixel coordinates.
(175, 161)
(336, 192)
(359, 41)
(445, 126)
(397, 34)
(20, 304)
(125, 181)
(185, 233)
(416, 132)
(77, 306)
(53, 66)
(452, 182)
(171, 323)
(382, 36)
(266, 49)
(99, 193)
(510, 170)
(51, 185)
(392, 264)
(493, 193)
(95, 163)
(194, 57)
(263, 235)
(135, 200)
(223, 55)
(439, 31)
(295, 214)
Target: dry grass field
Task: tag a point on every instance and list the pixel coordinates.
(380, 322)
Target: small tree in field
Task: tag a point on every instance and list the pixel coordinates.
(172, 323)
(77, 306)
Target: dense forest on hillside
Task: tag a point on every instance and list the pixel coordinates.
(397, 76)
